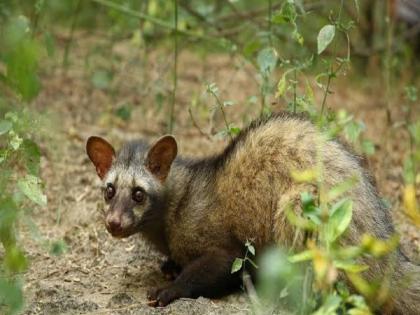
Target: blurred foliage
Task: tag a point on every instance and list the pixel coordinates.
(21, 188)
(412, 159)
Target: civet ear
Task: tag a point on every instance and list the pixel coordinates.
(161, 155)
(101, 153)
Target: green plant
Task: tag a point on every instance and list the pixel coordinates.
(240, 263)
(21, 188)
(412, 159)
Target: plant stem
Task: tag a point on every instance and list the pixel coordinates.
(324, 100)
(294, 90)
(388, 55)
(270, 12)
(72, 28)
(223, 112)
(150, 19)
(175, 70)
(195, 124)
(331, 72)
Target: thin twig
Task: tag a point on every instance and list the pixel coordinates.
(72, 28)
(223, 112)
(150, 19)
(270, 11)
(331, 72)
(195, 124)
(250, 289)
(175, 70)
(294, 89)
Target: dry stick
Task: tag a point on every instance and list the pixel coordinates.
(72, 28)
(250, 289)
(175, 71)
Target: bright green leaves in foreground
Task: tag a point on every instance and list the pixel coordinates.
(11, 294)
(20, 53)
(20, 191)
(20, 186)
(308, 282)
(339, 220)
(328, 217)
(239, 263)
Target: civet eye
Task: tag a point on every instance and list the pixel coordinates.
(109, 192)
(138, 194)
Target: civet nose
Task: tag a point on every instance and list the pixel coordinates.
(113, 224)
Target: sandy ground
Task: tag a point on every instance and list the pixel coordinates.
(102, 275)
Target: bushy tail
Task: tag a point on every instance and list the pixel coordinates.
(406, 294)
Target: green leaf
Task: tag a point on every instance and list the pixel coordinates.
(234, 130)
(212, 89)
(368, 147)
(342, 188)
(409, 171)
(124, 112)
(250, 48)
(340, 218)
(8, 216)
(237, 265)
(15, 260)
(302, 256)
(32, 156)
(58, 247)
(267, 60)
(15, 140)
(411, 93)
(325, 37)
(30, 186)
(281, 86)
(309, 92)
(2, 156)
(12, 116)
(11, 295)
(350, 266)
(101, 79)
(298, 37)
(5, 126)
(228, 103)
(332, 303)
(49, 44)
(251, 249)
(288, 13)
(39, 6)
(275, 274)
(415, 131)
(353, 130)
(21, 58)
(308, 202)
